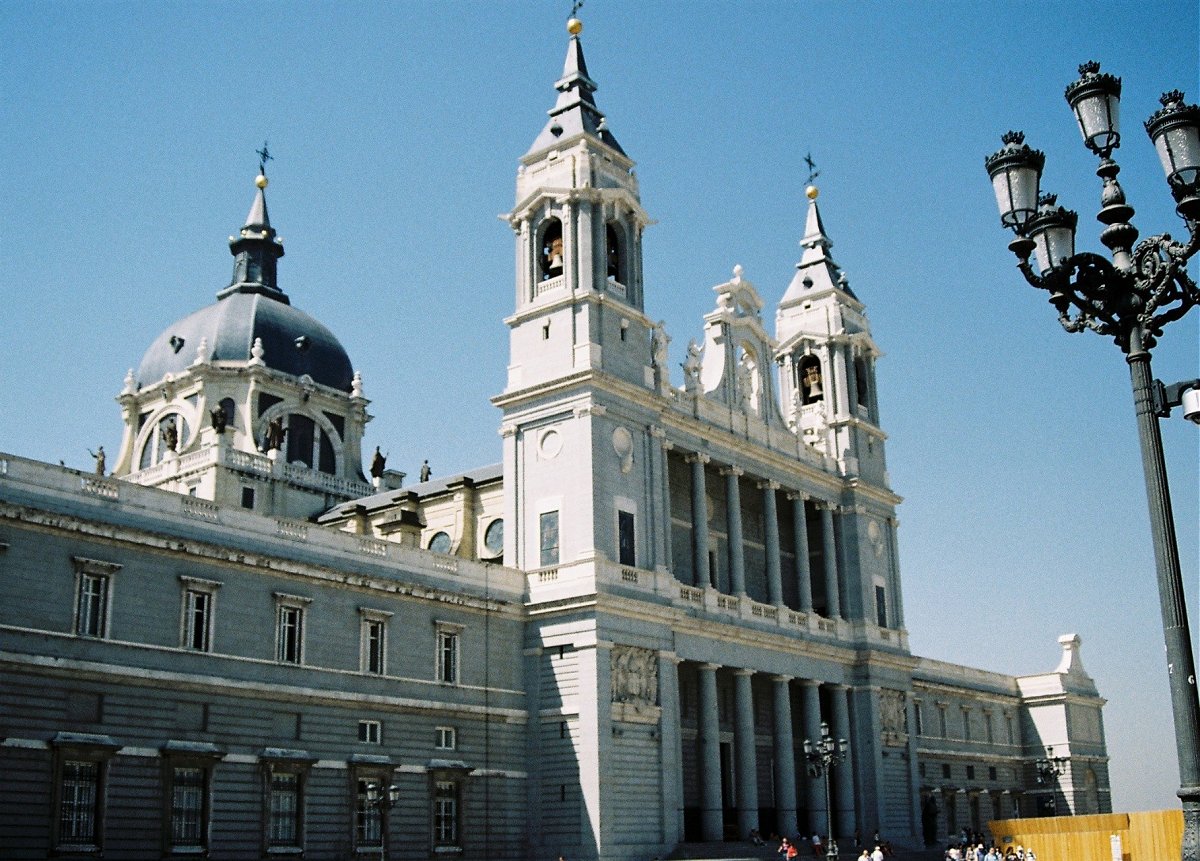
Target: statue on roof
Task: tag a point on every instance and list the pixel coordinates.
(425, 471)
(378, 462)
(98, 454)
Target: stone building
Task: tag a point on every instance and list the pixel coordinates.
(619, 638)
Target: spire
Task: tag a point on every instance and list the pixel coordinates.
(575, 111)
(816, 270)
(256, 249)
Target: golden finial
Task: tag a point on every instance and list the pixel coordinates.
(260, 181)
(811, 192)
(574, 25)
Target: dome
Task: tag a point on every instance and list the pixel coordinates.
(293, 342)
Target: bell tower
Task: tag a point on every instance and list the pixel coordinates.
(578, 225)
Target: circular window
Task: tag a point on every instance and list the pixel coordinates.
(440, 543)
(493, 537)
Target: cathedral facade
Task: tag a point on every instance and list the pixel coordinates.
(632, 632)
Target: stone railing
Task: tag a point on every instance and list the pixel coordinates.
(540, 288)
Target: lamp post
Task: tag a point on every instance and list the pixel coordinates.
(1129, 298)
(1049, 767)
(383, 799)
(822, 756)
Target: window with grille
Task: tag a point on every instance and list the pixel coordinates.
(447, 656)
(188, 788)
(368, 825)
(445, 813)
(91, 614)
(78, 809)
(283, 817)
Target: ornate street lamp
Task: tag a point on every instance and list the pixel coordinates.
(1130, 299)
(822, 756)
(383, 799)
(1049, 767)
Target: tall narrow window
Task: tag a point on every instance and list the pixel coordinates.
(919, 717)
(373, 641)
(447, 654)
(289, 627)
(445, 813)
(627, 549)
(548, 538)
(880, 607)
(199, 605)
(79, 803)
(91, 617)
(551, 256)
(188, 795)
(612, 256)
(283, 814)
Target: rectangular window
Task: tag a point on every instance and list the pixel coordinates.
(188, 789)
(283, 823)
(966, 713)
(880, 607)
(91, 614)
(197, 620)
(79, 802)
(373, 641)
(368, 831)
(942, 722)
(369, 731)
(445, 738)
(988, 732)
(248, 498)
(445, 813)
(291, 634)
(626, 548)
(548, 532)
(970, 772)
(991, 772)
(945, 772)
(447, 657)
(919, 716)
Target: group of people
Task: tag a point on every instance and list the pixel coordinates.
(979, 852)
(791, 848)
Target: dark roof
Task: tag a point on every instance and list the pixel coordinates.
(424, 489)
(231, 325)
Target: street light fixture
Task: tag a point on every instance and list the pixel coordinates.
(383, 799)
(823, 756)
(1130, 299)
(1049, 768)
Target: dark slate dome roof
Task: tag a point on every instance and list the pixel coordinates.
(231, 325)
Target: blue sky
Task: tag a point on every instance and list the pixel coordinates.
(127, 135)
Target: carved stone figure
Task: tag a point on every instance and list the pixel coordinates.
(275, 434)
(893, 715)
(745, 383)
(98, 454)
(634, 674)
(691, 368)
(378, 461)
(218, 418)
(426, 472)
(170, 435)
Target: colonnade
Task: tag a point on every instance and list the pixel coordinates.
(787, 756)
(704, 576)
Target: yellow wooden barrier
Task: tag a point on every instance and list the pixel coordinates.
(1152, 836)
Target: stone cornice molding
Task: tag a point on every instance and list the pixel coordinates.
(733, 470)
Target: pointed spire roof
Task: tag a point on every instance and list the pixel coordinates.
(575, 111)
(256, 250)
(816, 270)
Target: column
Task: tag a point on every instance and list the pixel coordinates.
(803, 571)
(810, 704)
(670, 747)
(733, 516)
(785, 759)
(771, 538)
(712, 813)
(662, 558)
(702, 576)
(744, 753)
(843, 773)
(833, 607)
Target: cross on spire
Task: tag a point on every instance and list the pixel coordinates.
(813, 173)
(575, 7)
(264, 156)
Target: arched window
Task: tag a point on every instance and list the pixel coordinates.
(614, 259)
(860, 381)
(170, 433)
(810, 382)
(310, 444)
(551, 253)
(229, 408)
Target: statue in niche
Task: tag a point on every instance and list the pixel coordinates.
(273, 439)
(745, 383)
(378, 462)
(98, 454)
(170, 434)
(218, 418)
(810, 382)
(634, 676)
(659, 339)
(691, 368)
